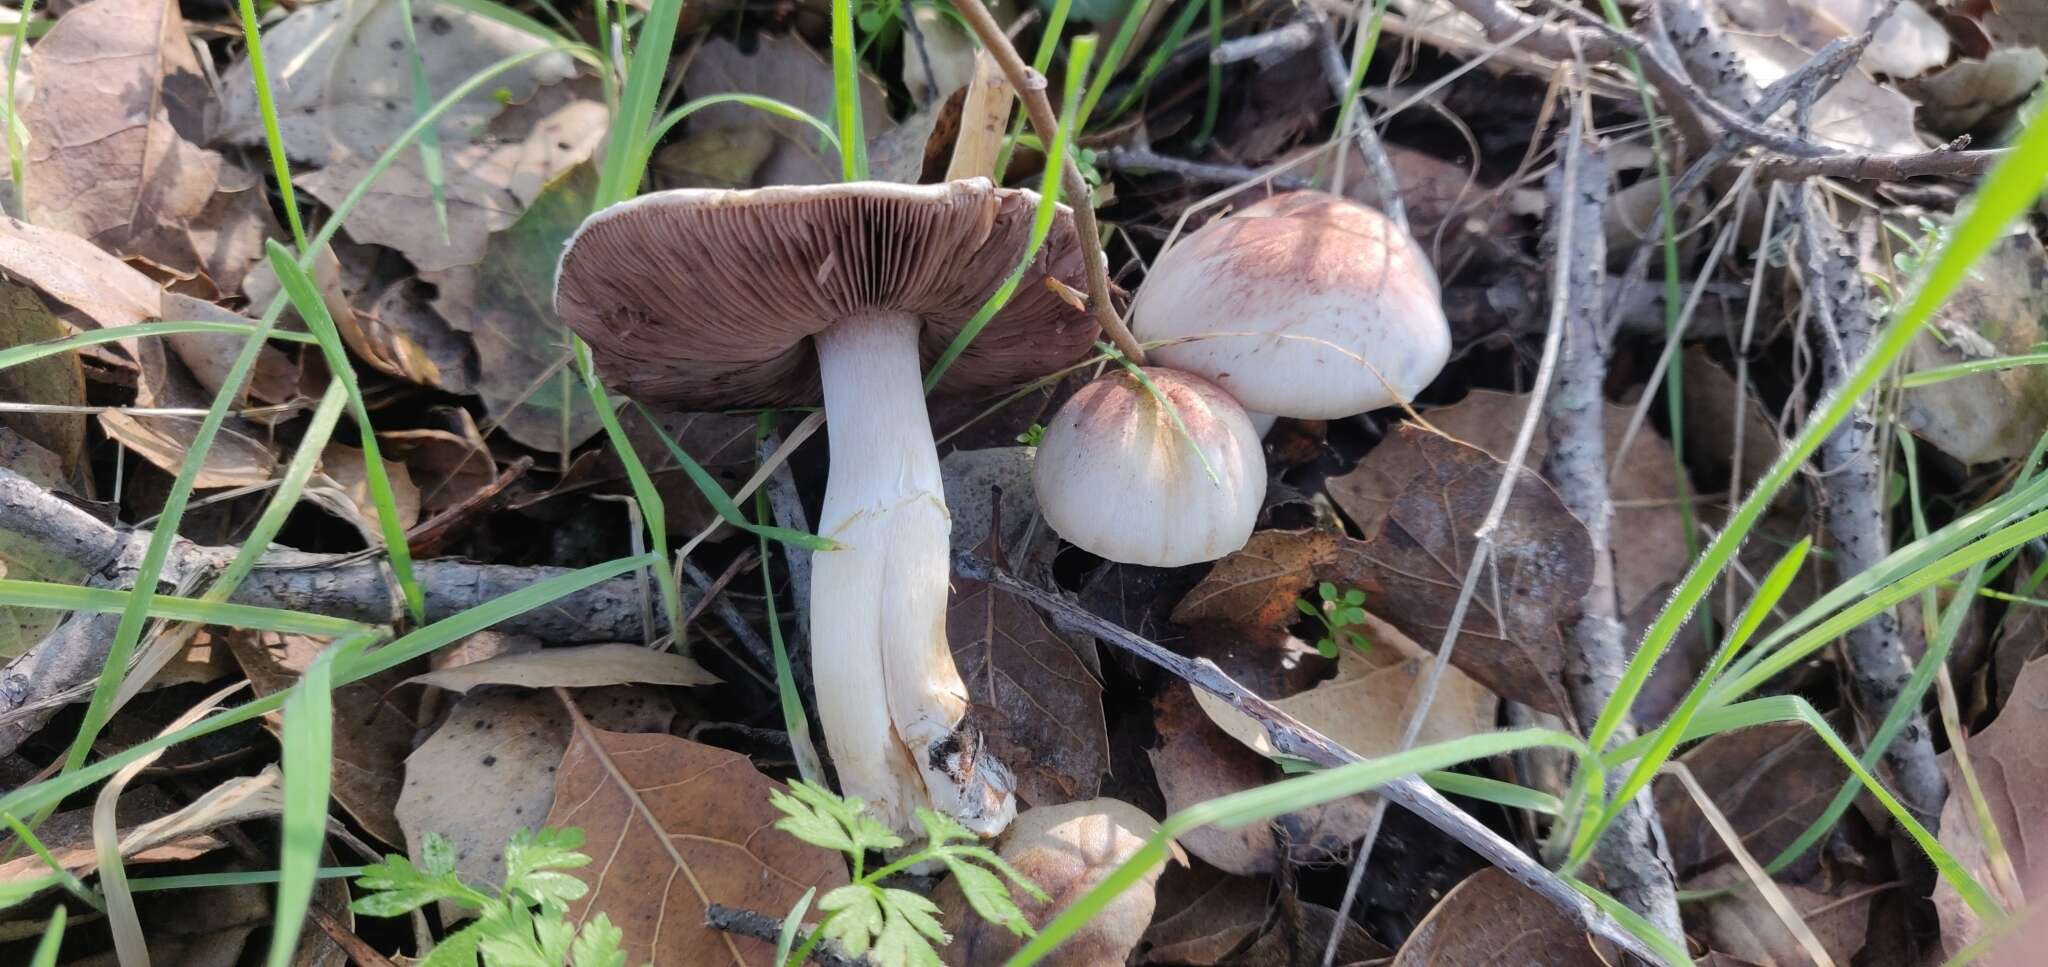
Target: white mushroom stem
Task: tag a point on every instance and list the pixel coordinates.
(1262, 423)
(888, 692)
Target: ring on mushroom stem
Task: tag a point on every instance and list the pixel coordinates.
(711, 299)
(1304, 305)
(1116, 476)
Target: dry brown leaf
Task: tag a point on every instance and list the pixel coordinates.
(1857, 114)
(398, 331)
(1256, 586)
(341, 75)
(151, 830)
(77, 273)
(490, 176)
(1488, 919)
(784, 67)
(723, 158)
(2022, 637)
(58, 380)
(1996, 415)
(1206, 915)
(1909, 43)
(679, 826)
(526, 378)
(1772, 781)
(1711, 399)
(587, 666)
(2012, 768)
(488, 771)
(342, 484)
(1366, 705)
(114, 127)
(1971, 92)
(372, 727)
(1066, 850)
(448, 460)
(1195, 762)
(1741, 924)
(1038, 707)
(1428, 495)
(236, 459)
(972, 479)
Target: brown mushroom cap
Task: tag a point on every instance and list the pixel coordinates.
(707, 299)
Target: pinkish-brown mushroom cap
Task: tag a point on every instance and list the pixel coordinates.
(708, 299)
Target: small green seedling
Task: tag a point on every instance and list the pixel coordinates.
(889, 926)
(1338, 614)
(1033, 436)
(525, 925)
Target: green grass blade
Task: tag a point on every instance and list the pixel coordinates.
(2008, 191)
(273, 138)
(722, 503)
(17, 148)
(1212, 97)
(619, 178)
(1111, 62)
(1265, 802)
(69, 880)
(305, 297)
(308, 772)
(1494, 791)
(791, 926)
(767, 105)
(65, 597)
(652, 511)
(1942, 374)
(1042, 220)
(209, 881)
(30, 352)
(1672, 951)
(1160, 55)
(853, 139)
(423, 98)
(1048, 45)
(1666, 738)
(53, 938)
(286, 496)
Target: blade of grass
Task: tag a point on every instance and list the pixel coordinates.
(307, 457)
(305, 297)
(30, 352)
(65, 597)
(652, 509)
(53, 937)
(1175, 33)
(1265, 802)
(252, 38)
(429, 145)
(1112, 61)
(767, 105)
(208, 881)
(722, 504)
(853, 139)
(794, 721)
(1048, 45)
(64, 877)
(619, 179)
(308, 763)
(1041, 221)
(1942, 374)
(17, 151)
(1494, 791)
(1674, 955)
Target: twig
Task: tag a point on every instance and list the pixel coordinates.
(734, 622)
(1948, 160)
(1030, 88)
(1291, 738)
(1268, 47)
(762, 927)
(358, 951)
(1852, 475)
(788, 507)
(1633, 856)
(1145, 159)
(1338, 76)
(354, 586)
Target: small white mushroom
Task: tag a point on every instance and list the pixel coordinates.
(1304, 305)
(1117, 478)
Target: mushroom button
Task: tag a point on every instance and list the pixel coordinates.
(1304, 305)
(1117, 478)
(782, 296)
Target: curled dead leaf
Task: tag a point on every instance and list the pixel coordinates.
(1489, 914)
(586, 666)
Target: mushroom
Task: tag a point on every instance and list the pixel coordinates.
(1303, 305)
(783, 296)
(1117, 478)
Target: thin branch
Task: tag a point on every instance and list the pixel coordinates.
(1634, 857)
(1121, 158)
(767, 929)
(1949, 160)
(1030, 88)
(1291, 738)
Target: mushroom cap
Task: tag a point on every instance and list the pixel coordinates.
(1116, 478)
(1309, 306)
(707, 298)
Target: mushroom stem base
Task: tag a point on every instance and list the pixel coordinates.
(890, 696)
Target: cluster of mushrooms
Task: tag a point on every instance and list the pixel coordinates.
(1303, 305)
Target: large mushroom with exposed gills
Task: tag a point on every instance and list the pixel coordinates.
(845, 293)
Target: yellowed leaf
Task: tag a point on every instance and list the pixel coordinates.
(582, 667)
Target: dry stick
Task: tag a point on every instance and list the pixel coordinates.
(1633, 857)
(767, 929)
(1291, 738)
(1141, 158)
(1852, 474)
(788, 507)
(1268, 47)
(1338, 76)
(1030, 87)
(1947, 160)
(353, 586)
